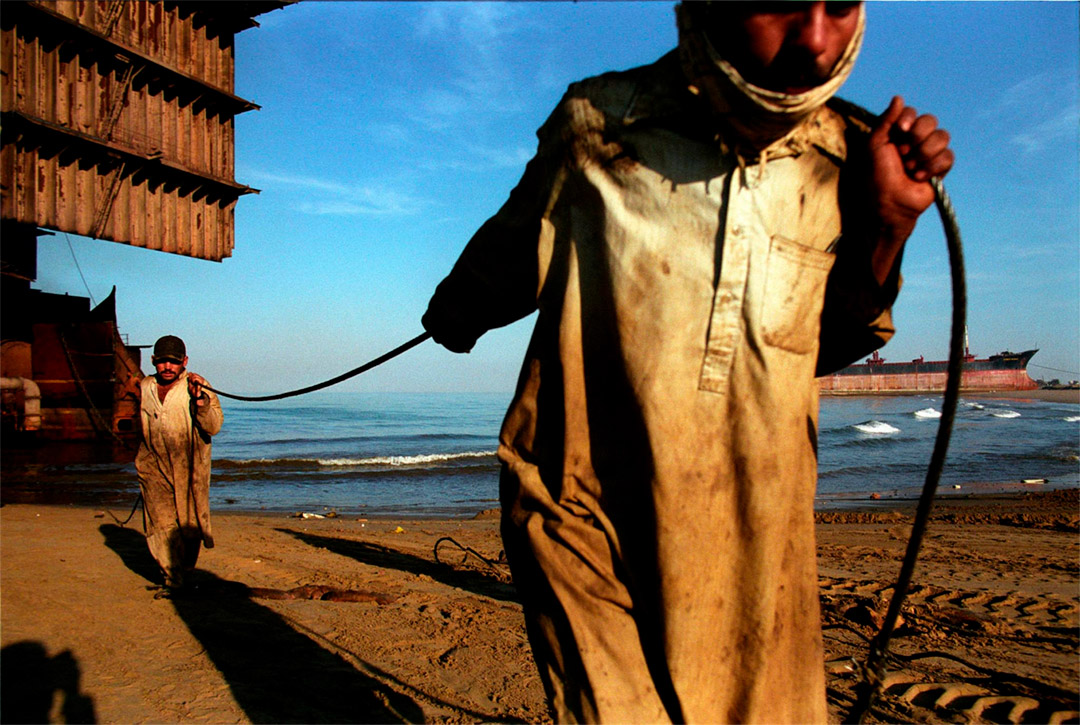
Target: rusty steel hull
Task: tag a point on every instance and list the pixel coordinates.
(118, 121)
(87, 376)
(1006, 371)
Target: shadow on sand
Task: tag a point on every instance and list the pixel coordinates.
(276, 674)
(32, 682)
(471, 580)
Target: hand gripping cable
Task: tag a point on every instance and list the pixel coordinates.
(873, 668)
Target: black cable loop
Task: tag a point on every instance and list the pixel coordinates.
(466, 551)
(138, 500)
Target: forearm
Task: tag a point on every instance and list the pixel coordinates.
(888, 251)
(208, 413)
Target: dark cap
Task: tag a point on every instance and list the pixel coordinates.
(171, 348)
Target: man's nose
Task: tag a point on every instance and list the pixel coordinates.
(809, 29)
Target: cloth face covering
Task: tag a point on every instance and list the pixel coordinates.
(758, 115)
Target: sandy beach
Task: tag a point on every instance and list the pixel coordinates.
(353, 620)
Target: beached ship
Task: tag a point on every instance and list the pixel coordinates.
(68, 374)
(1004, 371)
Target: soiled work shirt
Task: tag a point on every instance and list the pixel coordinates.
(660, 451)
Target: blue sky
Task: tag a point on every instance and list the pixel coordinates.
(390, 131)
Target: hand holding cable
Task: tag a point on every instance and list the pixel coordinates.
(906, 150)
(921, 149)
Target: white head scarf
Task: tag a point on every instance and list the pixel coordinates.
(758, 115)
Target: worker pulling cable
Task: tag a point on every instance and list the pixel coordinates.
(873, 667)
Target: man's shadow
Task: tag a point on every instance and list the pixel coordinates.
(469, 579)
(276, 674)
(30, 680)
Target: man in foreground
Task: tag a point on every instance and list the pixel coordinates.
(700, 236)
(179, 415)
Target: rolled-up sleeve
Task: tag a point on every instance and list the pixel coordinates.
(857, 317)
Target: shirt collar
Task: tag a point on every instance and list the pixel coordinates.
(663, 97)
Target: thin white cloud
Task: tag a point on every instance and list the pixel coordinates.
(1050, 131)
(477, 38)
(386, 132)
(1042, 111)
(476, 159)
(341, 199)
(480, 26)
(1039, 250)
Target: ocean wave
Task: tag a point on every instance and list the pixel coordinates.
(1072, 419)
(320, 463)
(927, 413)
(417, 460)
(876, 427)
(1004, 413)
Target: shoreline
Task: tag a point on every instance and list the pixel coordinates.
(1049, 395)
(1057, 508)
(121, 500)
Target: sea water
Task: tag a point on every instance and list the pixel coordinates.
(360, 454)
(882, 445)
(424, 454)
(357, 453)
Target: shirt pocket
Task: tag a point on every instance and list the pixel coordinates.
(794, 295)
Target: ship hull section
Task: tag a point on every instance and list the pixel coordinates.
(1001, 372)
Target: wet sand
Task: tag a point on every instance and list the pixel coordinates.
(351, 620)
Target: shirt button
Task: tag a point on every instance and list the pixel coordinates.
(737, 230)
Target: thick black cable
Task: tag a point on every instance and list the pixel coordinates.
(873, 669)
(333, 381)
(138, 500)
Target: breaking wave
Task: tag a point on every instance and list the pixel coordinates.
(876, 427)
(1004, 413)
(927, 413)
(302, 464)
(404, 460)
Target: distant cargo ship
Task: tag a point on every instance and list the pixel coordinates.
(1004, 371)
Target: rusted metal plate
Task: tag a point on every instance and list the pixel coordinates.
(118, 121)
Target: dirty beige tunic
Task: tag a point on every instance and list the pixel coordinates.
(659, 456)
(176, 506)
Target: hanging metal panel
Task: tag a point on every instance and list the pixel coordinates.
(118, 120)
